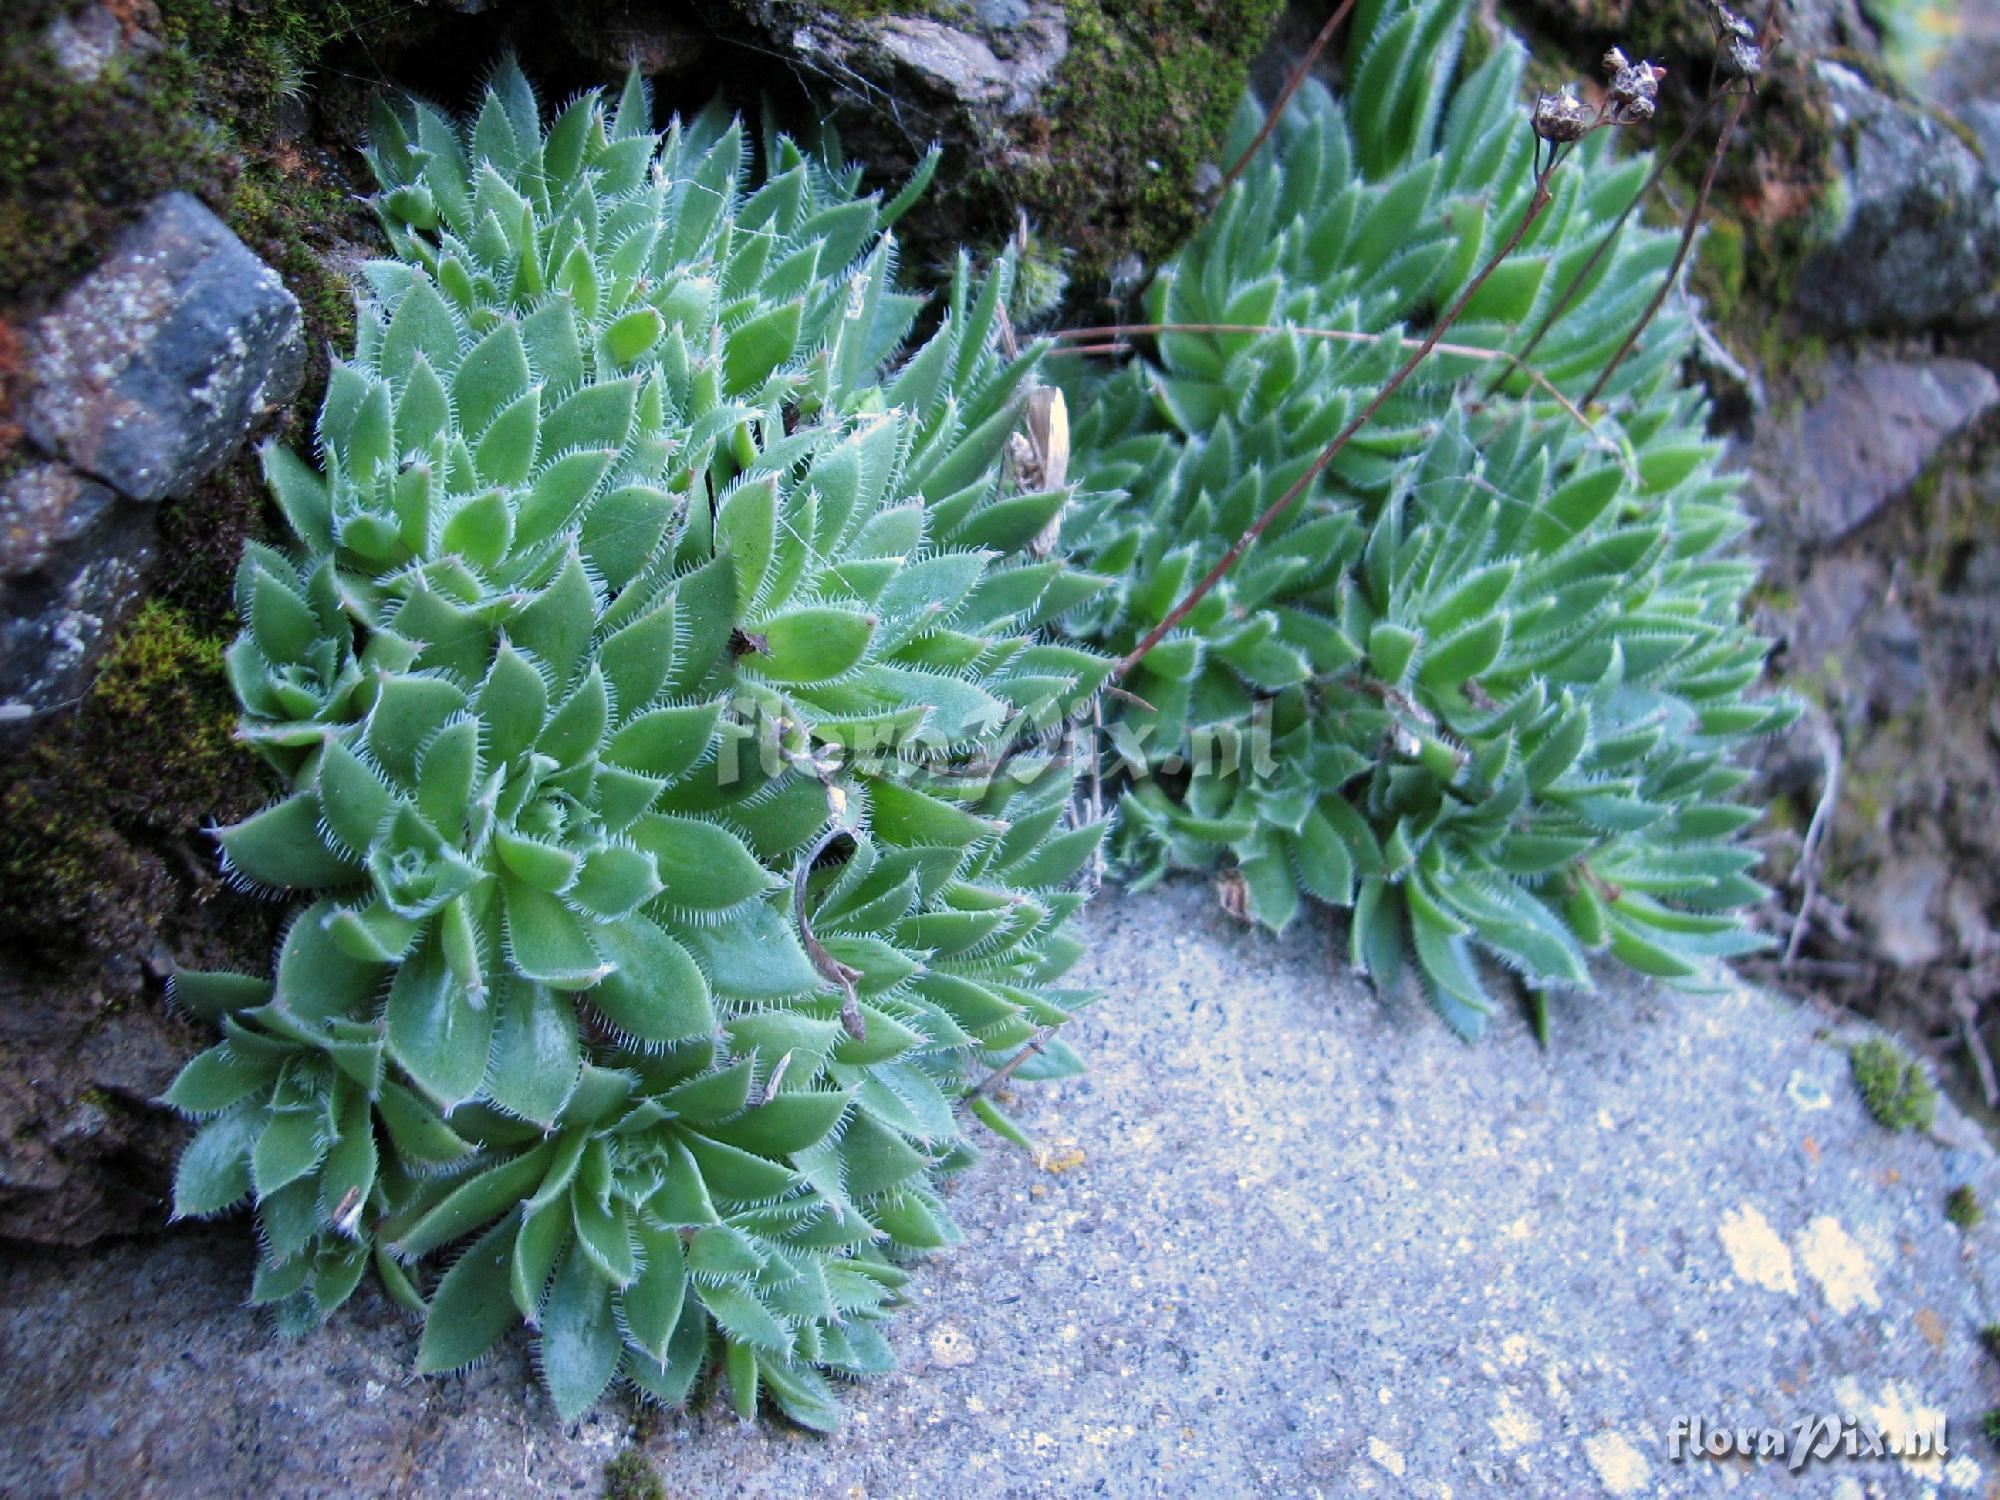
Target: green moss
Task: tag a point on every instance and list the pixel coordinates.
(161, 685)
(1041, 278)
(1141, 101)
(286, 219)
(872, 10)
(1782, 815)
(1894, 1086)
(77, 158)
(105, 1101)
(150, 753)
(1719, 270)
(1990, 1426)
(631, 1476)
(1778, 598)
(196, 105)
(1964, 1209)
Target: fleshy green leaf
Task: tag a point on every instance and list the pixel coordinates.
(214, 1170)
(655, 992)
(580, 1342)
(470, 1309)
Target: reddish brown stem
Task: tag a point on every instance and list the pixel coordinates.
(1291, 87)
(1006, 1070)
(1680, 254)
(1570, 292)
(1122, 331)
(1284, 502)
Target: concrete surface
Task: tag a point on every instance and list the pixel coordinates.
(1283, 1241)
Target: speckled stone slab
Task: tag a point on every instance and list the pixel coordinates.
(1284, 1240)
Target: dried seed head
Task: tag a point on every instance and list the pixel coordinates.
(1560, 118)
(1634, 91)
(1729, 24)
(1736, 42)
(1742, 59)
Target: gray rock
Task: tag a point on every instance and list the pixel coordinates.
(1813, 28)
(1001, 15)
(958, 79)
(152, 368)
(1900, 906)
(74, 558)
(1827, 468)
(1963, 65)
(965, 67)
(1919, 242)
(1964, 73)
(92, 39)
(1284, 1239)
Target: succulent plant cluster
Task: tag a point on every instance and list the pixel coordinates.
(1492, 663)
(675, 671)
(675, 762)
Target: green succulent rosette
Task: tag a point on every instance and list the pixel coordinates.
(678, 762)
(1483, 683)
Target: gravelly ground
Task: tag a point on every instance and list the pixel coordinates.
(1284, 1240)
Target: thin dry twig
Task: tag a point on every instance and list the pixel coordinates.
(1737, 42)
(1576, 283)
(1975, 1045)
(1291, 87)
(1818, 830)
(1007, 1069)
(1349, 336)
(1284, 502)
(1081, 349)
(852, 1021)
(1688, 229)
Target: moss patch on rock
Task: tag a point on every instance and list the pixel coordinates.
(148, 756)
(631, 1476)
(1894, 1086)
(1141, 101)
(291, 199)
(193, 96)
(100, 806)
(78, 156)
(1772, 193)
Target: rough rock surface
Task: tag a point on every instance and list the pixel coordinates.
(88, 1154)
(151, 368)
(655, 39)
(1963, 72)
(1283, 1240)
(1832, 465)
(1919, 242)
(90, 41)
(960, 77)
(1874, 475)
(73, 559)
(141, 379)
